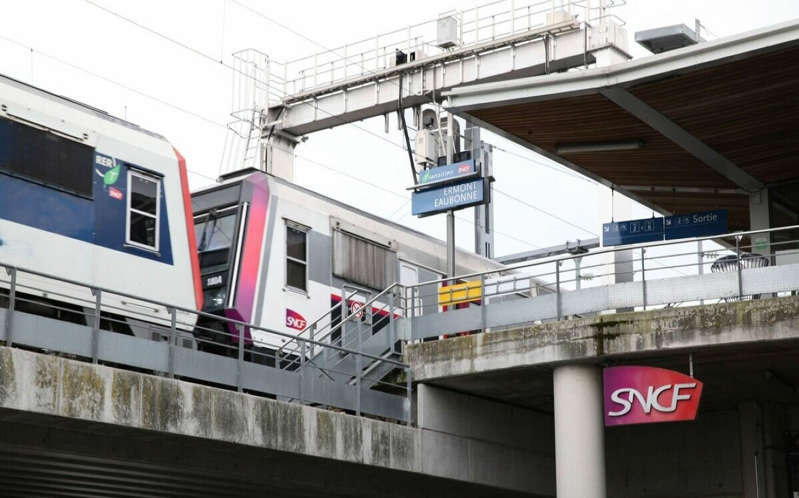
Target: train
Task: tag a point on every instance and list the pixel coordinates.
(101, 203)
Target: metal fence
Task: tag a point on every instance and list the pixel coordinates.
(57, 315)
(484, 23)
(730, 267)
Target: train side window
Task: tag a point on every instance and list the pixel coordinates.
(43, 157)
(143, 210)
(296, 256)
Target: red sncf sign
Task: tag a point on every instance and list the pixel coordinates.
(641, 395)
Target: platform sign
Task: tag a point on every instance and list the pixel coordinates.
(681, 226)
(450, 172)
(452, 196)
(642, 395)
(632, 231)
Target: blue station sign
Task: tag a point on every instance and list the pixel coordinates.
(681, 226)
(632, 232)
(452, 196)
(450, 172)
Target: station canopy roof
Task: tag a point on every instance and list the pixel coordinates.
(692, 129)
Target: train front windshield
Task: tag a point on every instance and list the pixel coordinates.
(215, 238)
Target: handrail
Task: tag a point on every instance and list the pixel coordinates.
(642, 245)
(199, 313)
(365, 305)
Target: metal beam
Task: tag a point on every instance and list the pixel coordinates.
(681, 137)
(576, 247)
(683, 190)
(482, 95)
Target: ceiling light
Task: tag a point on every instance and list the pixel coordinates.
(580, 147)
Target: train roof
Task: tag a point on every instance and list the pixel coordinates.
(238, 176)
(77, 105)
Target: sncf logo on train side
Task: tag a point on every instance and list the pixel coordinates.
(294, 320)
(641, 395)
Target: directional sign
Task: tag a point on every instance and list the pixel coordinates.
(449, 172)
(680, 226)
(453, 196)
(632, 232)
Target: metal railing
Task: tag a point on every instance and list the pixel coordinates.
(101, 325)
(672, 273)
(484, 23)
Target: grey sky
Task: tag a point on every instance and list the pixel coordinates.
(158, 77)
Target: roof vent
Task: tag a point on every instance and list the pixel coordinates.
(667, 38)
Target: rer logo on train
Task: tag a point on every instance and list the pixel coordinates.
(642, 395)
(294, 320)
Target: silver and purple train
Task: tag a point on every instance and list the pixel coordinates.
(101, 202)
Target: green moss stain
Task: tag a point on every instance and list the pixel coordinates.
(125, 397)
(8, 379)
(83, 391)
(352, 438)
(230, 415)
(202, 410)
(325, 433)
(380, 444)
(162, 404)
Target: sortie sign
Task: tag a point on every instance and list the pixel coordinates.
(454, 196)
(642, 395)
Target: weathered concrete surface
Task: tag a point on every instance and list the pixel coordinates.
(607, 336)
(34, 383)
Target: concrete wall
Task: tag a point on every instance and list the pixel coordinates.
(49, 385)
(607, 336)
(479, 429)
(700, 459)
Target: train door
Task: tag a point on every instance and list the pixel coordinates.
(217, 245)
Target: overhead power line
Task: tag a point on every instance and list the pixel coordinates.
(212, 59)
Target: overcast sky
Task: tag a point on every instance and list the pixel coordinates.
(74, 48)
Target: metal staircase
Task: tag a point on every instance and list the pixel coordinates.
(367, 326)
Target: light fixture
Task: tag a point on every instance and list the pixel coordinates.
(580, 147)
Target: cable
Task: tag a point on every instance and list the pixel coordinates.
(212, 59)
(208, 57)
(520, 201)
(223, 64)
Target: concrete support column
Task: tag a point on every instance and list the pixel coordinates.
(579, 432)
(753, 475)
(760, 218)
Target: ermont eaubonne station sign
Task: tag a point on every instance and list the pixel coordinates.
(642, 395)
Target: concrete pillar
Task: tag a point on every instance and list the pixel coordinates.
(617, 267)
(579, 432)
(753, 475)
(760, 218)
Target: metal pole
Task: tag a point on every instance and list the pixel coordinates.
(98, 294)
(409, 390)
(240, 330)
(451, 244)
(450, 214)
(643, 275)
(12, 297)
(172, 332)
(690, 364)
(311, 334)
(392, 324)
(700, 256)
(577, 281)
(738, 259)
(482, 300)
(302, 370)
(358, 371)
(557, 289)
